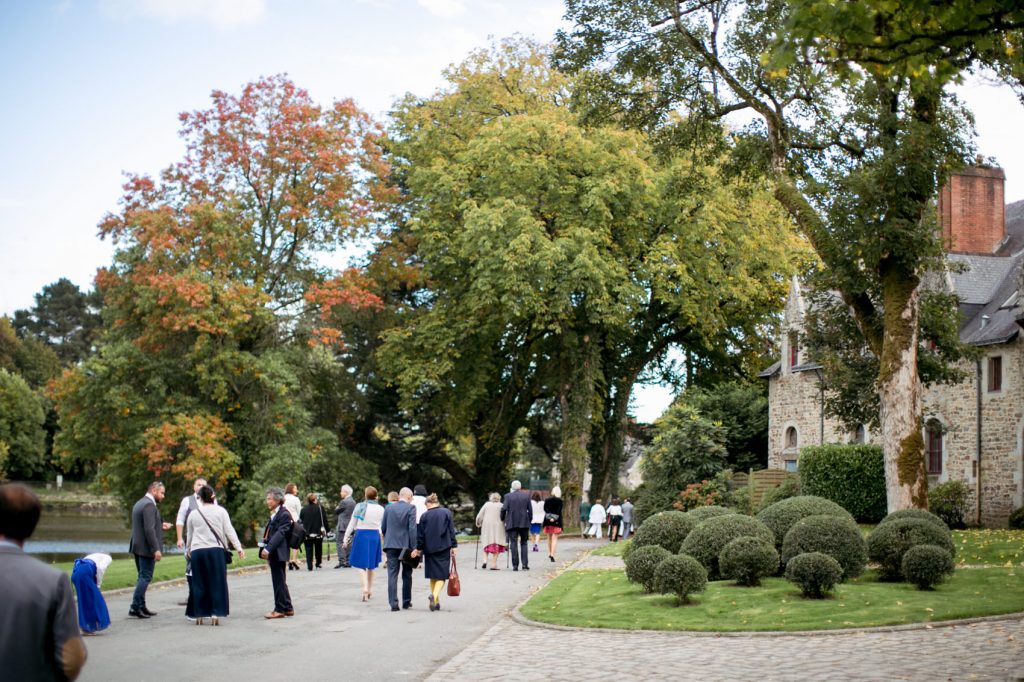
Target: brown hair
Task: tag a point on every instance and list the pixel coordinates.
(392, 496)
(19, 511)
(370, 493)
(432, 499)
(291, 489)
(535, 496)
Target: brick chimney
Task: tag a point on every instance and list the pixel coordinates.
(972, 211)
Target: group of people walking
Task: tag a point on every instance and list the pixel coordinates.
(618, 516)
(512, 522)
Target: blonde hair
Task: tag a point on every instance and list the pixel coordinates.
(432, 499)
(494, 497)
(556, 491)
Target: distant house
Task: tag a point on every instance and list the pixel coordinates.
(973, 431)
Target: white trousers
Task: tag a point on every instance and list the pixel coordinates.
(595, 530)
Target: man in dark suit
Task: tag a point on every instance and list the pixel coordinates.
(399, 528)
(274, 549)
(517, 513)
(39, 637)
(147, 541)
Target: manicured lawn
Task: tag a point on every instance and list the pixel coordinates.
(121, 572)
(605, 599)
(612, 548)
(990, 547)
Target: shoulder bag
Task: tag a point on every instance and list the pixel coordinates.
(454, 586)
(227, 552)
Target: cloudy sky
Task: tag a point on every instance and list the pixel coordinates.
(93, 88)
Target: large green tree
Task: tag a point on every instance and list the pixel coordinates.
(22, 438)
(64, 318)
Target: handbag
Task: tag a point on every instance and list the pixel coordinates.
(454, 586)
(228, 558)
(550, 519)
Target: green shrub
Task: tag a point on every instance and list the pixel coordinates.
(680, 575)
(781, 516)
(814, 573)
(783, 491)
(1016, 520)
(835, 536)
(709, 538)
(914, 514)
(641, 563)
(926, 565)
(704, 513)
(948, 501)
(739, 500)
(667, 529)
(748, 559)
(852, 476)
(888, 542)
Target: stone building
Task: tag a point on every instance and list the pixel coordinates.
(974, 430)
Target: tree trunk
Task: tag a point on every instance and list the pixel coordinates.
(576, 399)
(899, 388)
(608, 459)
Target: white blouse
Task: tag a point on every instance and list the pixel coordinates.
(200, 536)
(372, 519)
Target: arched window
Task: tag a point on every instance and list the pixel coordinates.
(791, 438)
(933, 446)
(860, 434)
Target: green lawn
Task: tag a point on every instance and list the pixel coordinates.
(121, 572)
(612, 549)
(605, 599)
(990, 547)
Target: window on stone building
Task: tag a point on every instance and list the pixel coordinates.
(933, 446)
(794, 349)
(791, 439)
(995, 374)
(790, 464)
(860, 434)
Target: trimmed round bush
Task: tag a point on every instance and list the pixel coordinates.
(781, 516)
(838, 537)
(914, 514)
(814, 573)
(888, 542)
(680, 575)
(641, 564)
(707, 540)
(746, 560)
(700, 514)
(926, 565)
(667, 529)
(1016, 520)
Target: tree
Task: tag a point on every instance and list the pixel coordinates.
(741, 409)
(64, 318)
(21, 428)
(855, 156)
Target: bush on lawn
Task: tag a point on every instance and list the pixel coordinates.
(832, 535)
(913, 513)
(641, 563)
(680, 575)
(852, 476)
(781, 516)
(701, 514)
(1016, 520)
(709, 538)
(748, 559)
(783, 491)
(888, 542)
(814, 573)
(948, 501)
(667, 529)
(926, 565)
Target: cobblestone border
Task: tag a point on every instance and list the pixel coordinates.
(517, 615)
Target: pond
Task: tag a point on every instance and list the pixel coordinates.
(67, 535)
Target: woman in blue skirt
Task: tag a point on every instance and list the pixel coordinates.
(364, 531)
(210, 533)
(87, 576)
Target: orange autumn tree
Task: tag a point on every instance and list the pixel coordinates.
(215, 291)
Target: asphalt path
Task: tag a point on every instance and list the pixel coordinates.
(332, 635)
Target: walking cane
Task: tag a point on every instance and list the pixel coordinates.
(476, 552)
(508, 548)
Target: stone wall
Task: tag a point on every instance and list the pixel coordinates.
(794, 400)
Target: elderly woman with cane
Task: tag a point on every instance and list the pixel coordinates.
(437, 544)
(492, 530)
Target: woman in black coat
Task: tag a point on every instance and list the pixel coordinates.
(437, 544)
(314, 520)
(553, 507)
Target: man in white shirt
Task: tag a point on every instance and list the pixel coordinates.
(419, 500)
(187, 506)
(597, 519)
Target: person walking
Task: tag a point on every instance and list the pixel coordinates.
(314, 520)
(209, 531)
(146, 544)
(294, 507)
(87, 577)
(627, 518)
(419, 500)
(584, 517)
(492, 530)
(39, 638)
(187, 505)
(343, 514)
(553, 507)
(364, 529)
(537, 507)
(614, 519)
(597, 518)
(274, 549)
(399, 529)
(435, 540)
(516, 512)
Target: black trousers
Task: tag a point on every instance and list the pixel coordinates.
(314, 545)
(521, 547)
(278, 575)
(394, 566)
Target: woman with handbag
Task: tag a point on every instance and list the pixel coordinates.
(437, 544)
(209, 530)
(553, 519)
(364, 531)
(314, 520)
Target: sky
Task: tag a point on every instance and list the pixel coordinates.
(93, 89)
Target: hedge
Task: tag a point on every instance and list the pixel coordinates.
(781, 516)
(852, 476)
(667, 529)
(707, 540)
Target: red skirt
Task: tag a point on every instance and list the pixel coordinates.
(494, 549)
(552, 530)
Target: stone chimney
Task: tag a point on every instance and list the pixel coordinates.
(972, 211)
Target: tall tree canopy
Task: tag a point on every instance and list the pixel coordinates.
(64, 318)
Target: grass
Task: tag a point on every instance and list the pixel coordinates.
(122, 573)
(989, 547)
(605, 599)
(611, 549)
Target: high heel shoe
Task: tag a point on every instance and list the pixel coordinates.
(215, 620)
(366, 595)
(199, 621)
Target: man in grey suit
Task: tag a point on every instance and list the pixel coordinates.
(627, 518)
(39, 637)
(344, 514)
(517, 513)
(146, 543)
(399, 528)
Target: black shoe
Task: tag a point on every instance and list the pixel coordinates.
(137, 614)
(346, 565)
(526, 568)
(515, 568)
(430, 602)
(485, 565)
(407, 605)
(339, 565)
(146, 611)
(551, 557)
(394, 607)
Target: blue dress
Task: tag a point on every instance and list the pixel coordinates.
(92, 608)
(366, 547)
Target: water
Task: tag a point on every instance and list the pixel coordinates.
(66, 536)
